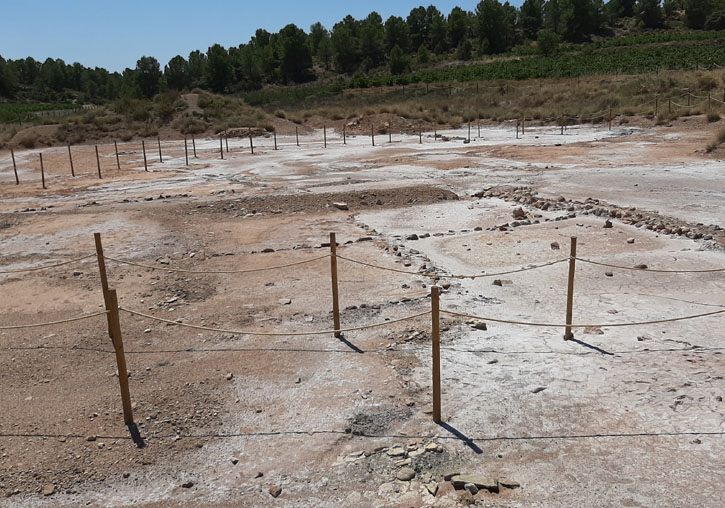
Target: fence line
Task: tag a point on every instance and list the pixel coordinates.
(51, 323)
(46, 267)
(212, 272)
(271, 334)
(653, 270)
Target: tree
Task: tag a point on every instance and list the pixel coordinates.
(396, 34)
(620, 9)
(324, 52)
(295, 57)
(495, 28)
(697, 12)
(552, 16)
(345, 46)
(458, 26)
(218, 69)
(437, 30)
(670, 7)
(418, 27)
(465, 50)
(177, 73)
(649, 13)
(580, 18)
(716, 20)
(547, 41)
(317, 34)
(531, 17)
(398, 61)
(197, 68)
(148, 73)
(7, 80)
(372, 40)
(423, 55)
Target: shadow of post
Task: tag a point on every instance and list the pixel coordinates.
(350, 344)
(136, 436)
(590, 346)
(460, 435)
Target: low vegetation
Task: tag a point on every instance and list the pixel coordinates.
(717, 141)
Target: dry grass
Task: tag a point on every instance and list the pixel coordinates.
(719, 140)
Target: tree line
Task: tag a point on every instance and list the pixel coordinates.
(354, 47)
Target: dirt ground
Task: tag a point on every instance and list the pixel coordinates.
(620, 416)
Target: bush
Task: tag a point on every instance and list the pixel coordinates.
(713, 117)
(719, 140)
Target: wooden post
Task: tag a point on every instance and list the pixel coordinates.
(709, 102)
(688, 98)
(436, 342)
(104, 276)
(15, 167)
(98, 163)
(570, 290)
(469, 131)
(158, 140)
(275, 139)
(145, 163)
(120, 357)
(420, 133)
(42, 170)
(372, 133)
(333, 272)
(344, 134)
(221, 147)
(479, 127)
(670, 105)
(118, 161)
(193, 145)
(226, 141)
(251, 143)
(517, 128)
(610, 119)
(297, 136)
(390, 133)
(70, 158)
(324, 135)
(562, 125)
(435, 133)
(186, 151)
(523, 125)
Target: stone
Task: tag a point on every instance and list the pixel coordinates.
(405, 474)
(275, 490)
(412, 237)
(609, 274)
(519, 213)
(396, 451)
(339, 206)
(267, 250)
(555, 246)
(448, 476)
(432, 488)
(479, 325)
(234, 460)
(431, 447)
(230, 376)
(259, 474)
(49, 489)
(91, 438)
(497, 282)
(446, 285)
(482, 482)
(508, 483)
(471, 487)
(404, 462)
(608, 224)
(641, 267)
(285, 301)
(538, 389)
(630, 240)
(187, 485)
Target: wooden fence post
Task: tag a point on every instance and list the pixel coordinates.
(420, 133)
(297, 136)
(118, 161)
(70, 158)
(251, 143)
(145, 163)
(15, 167)
(344, 134)
(517, 128)
(221, 147)
(226, 141)
(98, 163)
(275, 139)
(193, 145)
(570, 290)
(436, 341)
(186, 151)
(158, 140)
(324, 134)
(479, 127)
(469, 131)
(42, 170)
(104, 276)
(333, 272)
(120, 357)
(523, 125)
(372, 133)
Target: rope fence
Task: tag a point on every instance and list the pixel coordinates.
(113, 310)
(46, 267)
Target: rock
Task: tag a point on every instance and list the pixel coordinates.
(230, 376)
(126, 475)
(431, 447)
(519, 213)
(608, 224)
(285, 301)
(267, 250)
(479, 325)
(187, 485)
(396, 451)
(497, 282)
(538, 389)
(298, 381)
(555, 246)
(412, 237)
(609, 274)
(49, 489)
(482, 482)
(339, 206)
(91, 438)
(404, 462)
(641, 267)
(234, 460)
(593, 330)
(405, 474)
(432, 488)
(446, 285)
(630, 240)
(471, 487)
(259, 474)
(448, 476)
(275, 490)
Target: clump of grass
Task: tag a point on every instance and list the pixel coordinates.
(719, 140)
(713, 117)
(28, 139)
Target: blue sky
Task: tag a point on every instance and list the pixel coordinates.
(115, 34)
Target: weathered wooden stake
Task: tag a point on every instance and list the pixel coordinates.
(333, 272)
(523, 125)
(420, 133)
(517, 129)
(469, 131)
(297, 136)
(436, 342)
(324, 134)
(193, 145)
(15, 167)
(145, 163)
(709, 102)
(570, 290)
(120, 357)
(275, 138)
(226, 141)
(104, 276)
(70, 158)
(158, 140)
(186, 151)
(118, 161)
(98, 163)
(372, 134)
(42, 170)
(344, 134)
(251, 142)
(479, 127)
(221, 147)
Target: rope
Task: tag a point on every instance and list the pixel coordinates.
(50, 323)
(47, 267)
(649, 269)
(275, 334)
(179, 270)
(438, 275)
(607, 325)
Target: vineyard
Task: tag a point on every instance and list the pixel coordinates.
(19, 112)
